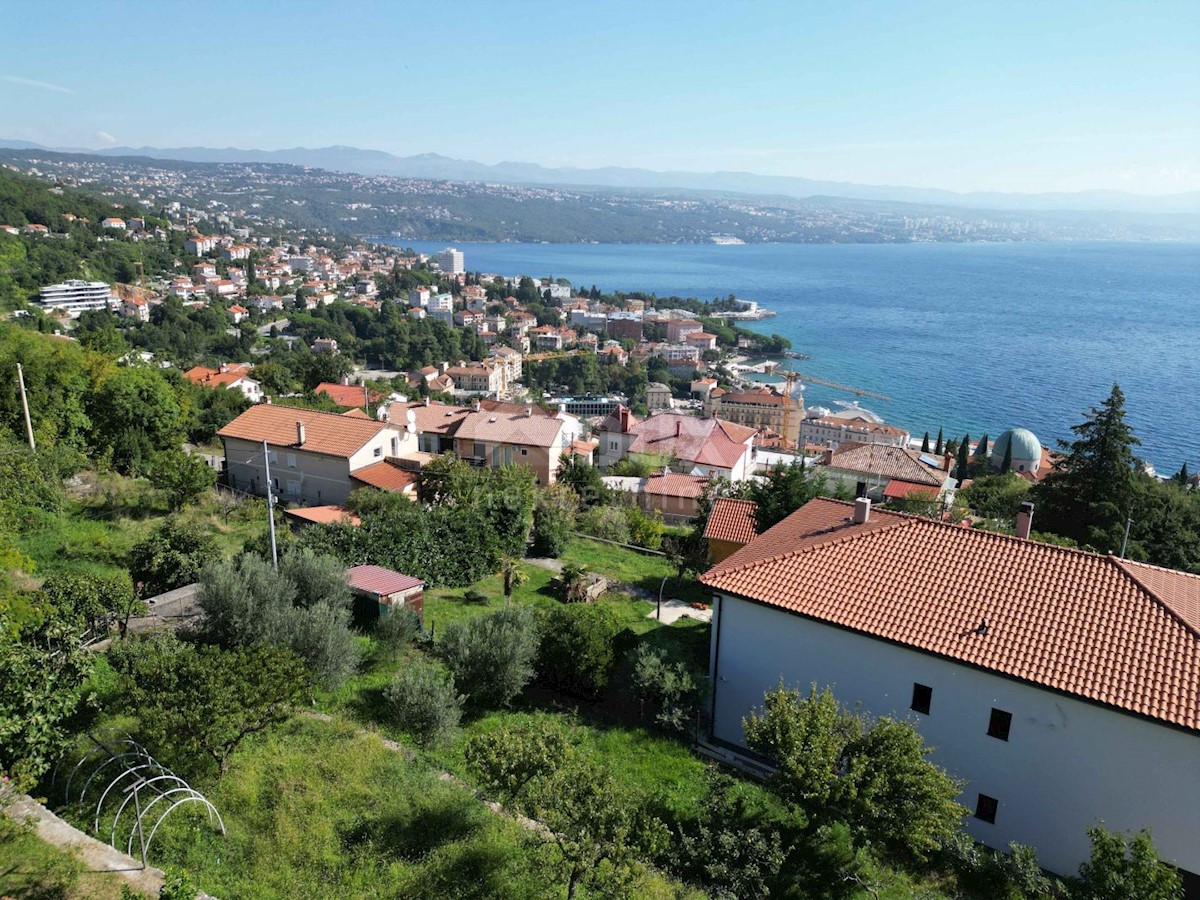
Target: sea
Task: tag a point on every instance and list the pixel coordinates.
(971, 338)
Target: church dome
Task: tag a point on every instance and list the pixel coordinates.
(1026, 450)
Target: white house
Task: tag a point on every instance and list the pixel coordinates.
(1062, 686)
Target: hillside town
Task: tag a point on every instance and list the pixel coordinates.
(590, 556)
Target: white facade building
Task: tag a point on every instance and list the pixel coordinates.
(450, 261)
(1062, 687)
(76, 295)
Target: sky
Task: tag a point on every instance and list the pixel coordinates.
(1009, 96)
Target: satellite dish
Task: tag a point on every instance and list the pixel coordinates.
(411, 427)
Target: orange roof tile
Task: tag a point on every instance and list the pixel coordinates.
(710, 442)
(732, 520)
(323, 515)
(883, 461)
(346, 394)
(1122, 634)
(385, 476)
(673, 484)
(327, 433)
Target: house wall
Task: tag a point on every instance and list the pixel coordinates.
(1067, 764)
(675, 510)
(319, 479)
(719, 551)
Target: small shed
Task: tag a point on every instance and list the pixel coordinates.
(387, 589)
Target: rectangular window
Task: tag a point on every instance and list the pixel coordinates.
(291, 460)
(293, 488)
(524, 452)
(921, 698)
(379, 451)
(273, 456)
(1000, 724)
(985, 808)
(612, 445)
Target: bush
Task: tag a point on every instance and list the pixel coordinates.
(492, 657)
(554, 520)
(608, 522)
(668, 685)
(396, 629)
(577, 648)
(304, 607)
(645, 529)
(173, 555)
(424, 701)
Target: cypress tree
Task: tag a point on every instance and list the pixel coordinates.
(964, 459)
(981, 450)
(940, 448)
(925, 443)
(1006, 466)
(1182, 475)
(1093, 486)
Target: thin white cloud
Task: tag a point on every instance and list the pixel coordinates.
(105, 138)
(33, 83)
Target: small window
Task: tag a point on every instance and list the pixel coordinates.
(922, 696)
(293, 488)
(273, 456)
(612, 445)
(524, 451)
(985, 808)
(1000, 724)
(379, 451)
(291, 460)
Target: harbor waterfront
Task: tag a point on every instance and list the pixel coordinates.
(970, 337)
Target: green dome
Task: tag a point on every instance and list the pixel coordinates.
(1026, 450)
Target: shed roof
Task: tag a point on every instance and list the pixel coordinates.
(381, 581)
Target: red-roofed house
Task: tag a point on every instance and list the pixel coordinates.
(1062, 687)
(235, 376)
(691, 445)
(348, 394)
(730, 527)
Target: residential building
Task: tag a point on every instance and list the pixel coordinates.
(820, 426)
(199, 244)
(678, 329)
(510, 362)
(1062, 687)
(658, 396)
(524, 438)
(136, 308)
(75, 296)
(312, 454)
(450, 261)
(300, 264)
(881, 471)
(35, 229)
(419, 296)
(324, 345)
(701, 340)
(624, 326)
(758, 409)
(113, 223)
(477, 378)
(694, 446)
(237, 313)
(674, 496)
(234, 376)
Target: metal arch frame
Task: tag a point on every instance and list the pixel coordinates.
(140, 753)
(194, 798)
(136, 764)
(140, 782)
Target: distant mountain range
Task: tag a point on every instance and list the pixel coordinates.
(435, 166)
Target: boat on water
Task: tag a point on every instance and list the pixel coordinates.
(726, 239)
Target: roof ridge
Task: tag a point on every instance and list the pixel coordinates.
(1150, 592)
(818, 545)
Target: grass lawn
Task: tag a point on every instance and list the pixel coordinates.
(102, 520)
(31, 869)
(322, 809)
(642, 570)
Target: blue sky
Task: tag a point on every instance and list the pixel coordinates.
(967, 96)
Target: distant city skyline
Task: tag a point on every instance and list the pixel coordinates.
(972, 97)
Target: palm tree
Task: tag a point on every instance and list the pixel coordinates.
(514, 576)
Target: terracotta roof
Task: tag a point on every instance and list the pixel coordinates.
(378, 580)
(1122, 634)
(355, 413)
(511, 428)
(675, 485)
(732, 520)
(345, 394)
(882, 461)
(326, 433)
(898, 489)
(758, 398)
(323, 515)
(582, 448)
(710, 442)
(436, 418)
(385, 476)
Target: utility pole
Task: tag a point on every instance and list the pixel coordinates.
(1125, 540)
(25, 408)
(270, 506)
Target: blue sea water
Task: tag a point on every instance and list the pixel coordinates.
(970, 337)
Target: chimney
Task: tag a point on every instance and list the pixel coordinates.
(475, 406)
(947, 461)
(426, 401)
(299, 434)
(528, 411)
(678, 428)
(623, 413)
(862, 510)
(1024, 519)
